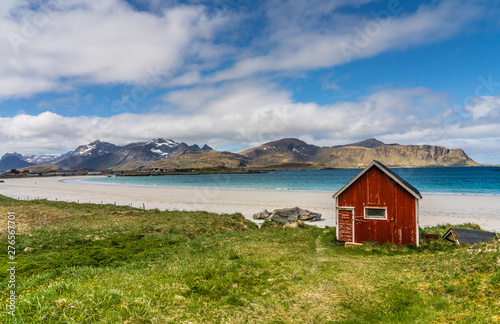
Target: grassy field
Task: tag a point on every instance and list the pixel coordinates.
(135, 266)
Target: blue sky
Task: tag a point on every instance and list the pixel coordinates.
(237, 73)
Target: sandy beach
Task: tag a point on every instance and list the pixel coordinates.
(434, 209)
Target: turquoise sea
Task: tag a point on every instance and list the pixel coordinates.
(435, 180)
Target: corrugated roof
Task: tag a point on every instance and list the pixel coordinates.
(411, 189)
(465, 236)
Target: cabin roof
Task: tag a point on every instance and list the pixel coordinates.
(464, 236)
(412, 190)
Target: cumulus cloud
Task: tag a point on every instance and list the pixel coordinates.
(56, 44)
(43, 133)
(249, 114)
(94, 42)
(484, 108)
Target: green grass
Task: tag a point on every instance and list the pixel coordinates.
(134, 266)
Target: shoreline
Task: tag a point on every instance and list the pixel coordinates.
(84, 182)
(435, 209)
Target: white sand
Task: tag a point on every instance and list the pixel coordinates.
(434, 209)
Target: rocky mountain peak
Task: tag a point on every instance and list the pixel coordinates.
(160, 148)
(292, 145)
(12, 161)
(206, 148)
(287, 143)
(162, 142)
(17, 155)
(95, 148)
(287, 150)
(368, 143)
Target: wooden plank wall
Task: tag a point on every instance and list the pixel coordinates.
(376, 189)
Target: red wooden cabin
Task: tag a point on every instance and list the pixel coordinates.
(378, 205)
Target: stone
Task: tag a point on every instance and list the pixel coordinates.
(262, 215)
(285, 215)
(309, 215)
(289, 215)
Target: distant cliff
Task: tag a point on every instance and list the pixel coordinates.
(358, 154)
(393, 155)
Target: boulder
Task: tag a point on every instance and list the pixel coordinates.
(262, 215)
(285, 215)
(309, 215)
(288, 215)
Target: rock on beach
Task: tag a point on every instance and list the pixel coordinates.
(288, 215)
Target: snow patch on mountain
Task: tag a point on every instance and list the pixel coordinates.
(160, 153)
(86, 151)
(94, 149)
(297, 151)
(161, 147)
(41, 159)
(162, 142)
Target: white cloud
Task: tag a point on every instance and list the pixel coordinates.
(249, 114)
(295, 45)
(62, 44)
(65, 45)
(94, 42)
(484, 108)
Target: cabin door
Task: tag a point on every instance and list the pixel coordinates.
(346, 225)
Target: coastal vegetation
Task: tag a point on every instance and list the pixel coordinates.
(89, 263)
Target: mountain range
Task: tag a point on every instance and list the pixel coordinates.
(288, 152)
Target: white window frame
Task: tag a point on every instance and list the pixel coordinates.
(374, 207)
